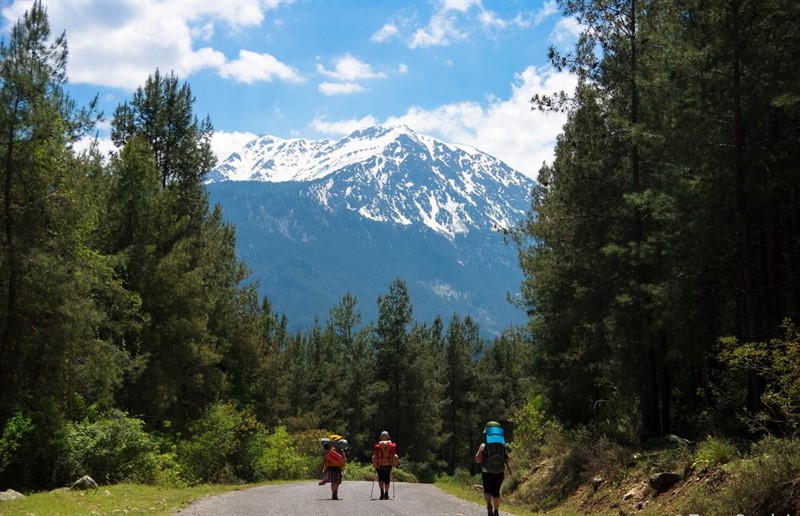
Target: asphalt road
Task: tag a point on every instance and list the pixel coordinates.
(310, 499)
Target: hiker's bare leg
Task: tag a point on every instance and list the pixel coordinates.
(495, 502)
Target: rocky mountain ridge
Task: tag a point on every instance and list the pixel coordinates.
(318, 219)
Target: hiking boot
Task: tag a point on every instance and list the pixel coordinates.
(334, 496)
(497, 512)
(489, 509)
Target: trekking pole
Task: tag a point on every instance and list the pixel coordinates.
(394, 481)
(373, 487)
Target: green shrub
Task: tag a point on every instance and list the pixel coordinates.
(220, 447)
(531, 425)
(16, 429)
(764, 482)
(307, 443)
(113, 448)
(778, 362)
(573, 458)
(275, 457)
(168, 472)
(713, 452)
(358, 471)
(462, 476)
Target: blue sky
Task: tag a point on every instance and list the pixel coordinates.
(459, 70)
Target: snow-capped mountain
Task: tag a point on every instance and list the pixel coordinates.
(318, 219)
(391, 174)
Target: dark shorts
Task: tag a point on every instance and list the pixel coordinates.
(384, 474)
(492, 482)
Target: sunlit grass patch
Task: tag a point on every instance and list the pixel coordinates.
(115, 499)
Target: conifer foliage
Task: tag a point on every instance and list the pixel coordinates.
(59, 296)
(668, 218)
(664, 232)
(126, 316)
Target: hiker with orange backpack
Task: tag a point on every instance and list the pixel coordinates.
(492, 455)
(333, 462)
(384, 458)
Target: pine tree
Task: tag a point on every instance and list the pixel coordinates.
(357, 381)
(392, 355)
(180, 257)
(672, 180)
(62, 308)
(421, 403)
(462, 347)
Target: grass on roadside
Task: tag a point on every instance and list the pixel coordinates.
(115, 499)
(469, 488)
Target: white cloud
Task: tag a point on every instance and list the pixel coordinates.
(402, 69)
(385, 33)
(339, 88)
(346, 69)
(120, 43)
(223, 144)
(459, 5)
(505, 128)
(349, 68)
(490, 20)
(202, 32)
(456, 20)
(252, 67)
(566, 33)
(442, 30)
(342, 127)
(104, 145)
(548, 9)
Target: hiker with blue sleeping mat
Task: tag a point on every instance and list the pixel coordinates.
(492, 455)
(333, 463)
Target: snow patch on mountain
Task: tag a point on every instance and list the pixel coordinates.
(446, 291)
(391, 175)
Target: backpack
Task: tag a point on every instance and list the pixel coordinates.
(385, 450)
(494, 449)
(335, 447)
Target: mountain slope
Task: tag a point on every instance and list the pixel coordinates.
(318, 219)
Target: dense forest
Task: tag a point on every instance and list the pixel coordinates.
(661, 258)
(126, 312)
(666, 234)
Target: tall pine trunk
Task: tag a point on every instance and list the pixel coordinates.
(755, 385)
(7, 350)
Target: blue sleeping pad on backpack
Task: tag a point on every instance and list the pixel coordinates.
(495, 450)
(495, 434)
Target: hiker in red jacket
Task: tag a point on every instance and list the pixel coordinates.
(384, 458)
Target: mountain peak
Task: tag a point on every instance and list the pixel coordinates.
(379, 131)
(390, 174)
